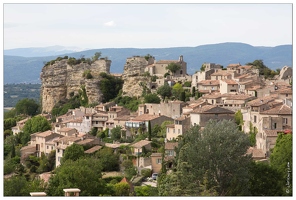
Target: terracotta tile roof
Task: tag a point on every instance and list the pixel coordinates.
(245, 67)
(237, 96)
(246, 82)
(204, 91)
(284, 91)
(212, 96)
(242, 76)
(44, 134)
(167, 61)
(67, 139)
(170, 145)
(279, 110)
(254, 88)
(85, 141)
(256, 153)
(32, 148)
(88, 114)
(229, 81)
(123, 118)
(140, 144)
(213, 109)
(65, 129)
(262, 100)
(221, 73)
(197, 104)
(145, 117)
(272, 133)
(23, 121)
(93, 149)
(180, 118)
(116, 145)
(209, 82)
(170, 126)
(234, 65)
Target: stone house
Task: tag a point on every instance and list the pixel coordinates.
(228, 86)
(220, 75)
(62, 143)
(159, 67)
(254, 107)
(213, 98)
(156, 162)
(138, 149)
(180, 126)
(193, 105)
(171, 109)
(208, 86)
(42, 141)
(65, 131)
(233, 66)
(114, 112)
(170, 153)
(235, 100)
(19, 126)
(272, 121)
(99, 120)
(200, 116)
(139, 124)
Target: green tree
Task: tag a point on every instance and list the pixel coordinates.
(16, 186)
(129, 169)
(122, 189)
(84, 173)
(146, 190)
(187, 84)
(173, 67)
(177, 90)
(193, 92)
(151, 98)
(33, 125)
(96, 56)
(116, 133)
(73, 152)
(9, 123)
(165, 91)
(281, 159)
(203, 67)
(109, 86)
(149, 131)
(83, 96)
(27, 106)
(108, 159)
(210, 155)
(238, 117)
(264, 180)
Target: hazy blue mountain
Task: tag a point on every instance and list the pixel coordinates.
(41, 51)
(27, 69)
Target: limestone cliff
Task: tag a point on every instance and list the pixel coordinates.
(60, 79)
(133, 75)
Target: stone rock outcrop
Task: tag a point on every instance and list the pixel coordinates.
(60, 79)
(133, 75)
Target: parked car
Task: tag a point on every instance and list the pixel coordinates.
(154, 176)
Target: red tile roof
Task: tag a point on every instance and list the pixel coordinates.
(140, 144)
(211, 109)
(229, 81)
(209, 82)
(278, 110)
(171, 145)
(262, 100)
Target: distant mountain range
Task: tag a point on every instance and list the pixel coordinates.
(24, 65)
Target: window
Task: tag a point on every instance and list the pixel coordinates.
(274, 125)
(51, 147)
(170, 153)
(178, 131)
(46, 147)
(173, 130)
(87, 117)
(58, 150)
(158, 161)
(255, 118)
(285, 120)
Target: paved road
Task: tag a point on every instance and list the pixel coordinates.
(153, 184)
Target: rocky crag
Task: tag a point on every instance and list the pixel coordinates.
(60, 80)
(133, 75)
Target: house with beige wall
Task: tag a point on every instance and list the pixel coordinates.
(228, 86)
(179, 127)
(208, 86)
(156, 162)
(200, 116)
(138, 149)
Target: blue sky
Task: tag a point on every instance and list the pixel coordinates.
(90, 26)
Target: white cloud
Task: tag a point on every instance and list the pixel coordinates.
(111, 23)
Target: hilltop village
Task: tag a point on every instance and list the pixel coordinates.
(152, 131)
